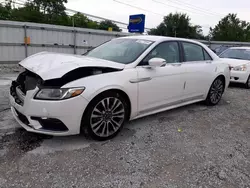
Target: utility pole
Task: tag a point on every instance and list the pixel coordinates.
(73, 21)
(174, 28)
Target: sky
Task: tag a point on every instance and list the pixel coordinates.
(204, 13)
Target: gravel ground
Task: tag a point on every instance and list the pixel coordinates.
(9, 68)
(192, 146)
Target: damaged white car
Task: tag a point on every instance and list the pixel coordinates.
(123, 79)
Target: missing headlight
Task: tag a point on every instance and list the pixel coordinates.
(97, 71)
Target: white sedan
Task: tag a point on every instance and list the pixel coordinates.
(123, 79)
(239, 61)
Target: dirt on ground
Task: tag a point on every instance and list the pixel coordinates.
(192, 146)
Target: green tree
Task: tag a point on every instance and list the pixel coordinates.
(231, 28)
(5, 11)
(50, 6)
(28, 13)
(159, 30)
(50, 12)
(178, 25)
(53, 10)
(104, 25)
(79, 20)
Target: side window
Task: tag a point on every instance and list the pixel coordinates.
(193, 52)
(167, 50)
(206, 55)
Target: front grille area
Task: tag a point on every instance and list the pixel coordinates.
(28, 81)
(25, 81)
(22, 118)
(14, 94)
(51, 124)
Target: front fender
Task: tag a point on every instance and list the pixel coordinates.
(225, 71)
(97, 84)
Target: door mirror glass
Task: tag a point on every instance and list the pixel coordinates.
(157, 62)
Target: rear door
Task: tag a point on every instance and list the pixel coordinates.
(199, 70)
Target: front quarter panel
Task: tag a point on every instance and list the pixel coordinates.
(97, 84)
(223, 69)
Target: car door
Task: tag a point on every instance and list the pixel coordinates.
(160, 86)
(199, 70)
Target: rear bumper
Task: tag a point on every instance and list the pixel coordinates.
(67, 114)
(239, 76)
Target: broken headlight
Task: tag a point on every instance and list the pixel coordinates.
(58, 94)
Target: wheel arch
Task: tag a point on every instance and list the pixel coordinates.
(217, 76)
(117, 90)
(208, 99)
(223, 79)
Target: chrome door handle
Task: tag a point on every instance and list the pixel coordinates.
(176, 64)
(140, 80)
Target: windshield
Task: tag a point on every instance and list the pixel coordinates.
(236, 54)
(120, 50)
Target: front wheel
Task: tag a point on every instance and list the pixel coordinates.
(105, 116)
(215, 92)
(247, 84)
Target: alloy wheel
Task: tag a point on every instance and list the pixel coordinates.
(248, 82)
(216, 91)
(107, 117)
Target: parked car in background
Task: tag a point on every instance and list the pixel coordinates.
(221, 49)
(123, 79)
(239, 60)
(211, 48)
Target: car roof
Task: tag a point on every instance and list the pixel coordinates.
(164, 38)
(241, 47)
(159, 38)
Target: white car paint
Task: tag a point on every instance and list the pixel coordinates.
(150, 90)
(49, 65)
(68, 111)
(238, 76)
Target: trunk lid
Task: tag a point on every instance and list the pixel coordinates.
(49, 65)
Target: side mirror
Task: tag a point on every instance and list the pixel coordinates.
(157, 62)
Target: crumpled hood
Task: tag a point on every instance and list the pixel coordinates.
(49, 65)
(234, 62)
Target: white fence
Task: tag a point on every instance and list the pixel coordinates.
(22, 39)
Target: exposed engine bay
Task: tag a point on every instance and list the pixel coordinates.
(28, 80)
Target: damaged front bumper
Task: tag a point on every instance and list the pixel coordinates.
(57, 118)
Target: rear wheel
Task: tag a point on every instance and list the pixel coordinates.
(105, 116)
(215, 92)
(247, 84)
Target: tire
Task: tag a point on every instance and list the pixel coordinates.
(215, 92)
(247, 84)
(105, 116)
